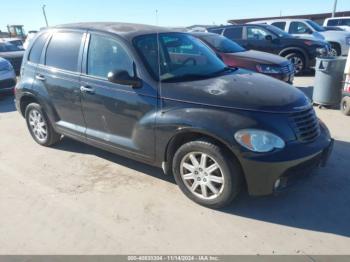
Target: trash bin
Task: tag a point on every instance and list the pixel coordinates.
(328, 80)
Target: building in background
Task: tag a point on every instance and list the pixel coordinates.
(318, 18)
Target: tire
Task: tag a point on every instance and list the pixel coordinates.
(227, 176)
(298, 60)
(335, 49)
(345, 105)
(39, 126)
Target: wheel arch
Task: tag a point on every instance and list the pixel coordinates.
(184, 136)
(289, 50)
(25, 100)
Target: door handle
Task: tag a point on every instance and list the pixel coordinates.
(87, 89)
(40, 77)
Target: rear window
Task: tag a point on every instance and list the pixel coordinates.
(63, 50)
(37, 48)
(280, 25)
(234, 33)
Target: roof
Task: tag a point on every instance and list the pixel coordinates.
(128, 30)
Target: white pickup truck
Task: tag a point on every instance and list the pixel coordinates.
(305, 28)
(341, 22)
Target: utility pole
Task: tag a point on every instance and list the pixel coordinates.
(334, 8)
(44, 13)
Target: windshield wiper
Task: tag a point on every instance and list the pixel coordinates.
(192, 77)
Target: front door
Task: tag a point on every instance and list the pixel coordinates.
(117, 116)
(260, 39)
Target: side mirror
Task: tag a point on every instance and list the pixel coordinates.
(122, 77)
(268, 38)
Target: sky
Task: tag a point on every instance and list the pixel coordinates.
(170, 12)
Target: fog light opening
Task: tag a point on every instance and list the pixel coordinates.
(277, 183)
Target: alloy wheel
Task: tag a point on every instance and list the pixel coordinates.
(333, 52)
(202, 175)
(38, 125)
(298, 63)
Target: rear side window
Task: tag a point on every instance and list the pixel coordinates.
(106, 55)
(280, 25)
(234, 33)
(63, 50)
(37, 48)
(333, 22)
(344, 22)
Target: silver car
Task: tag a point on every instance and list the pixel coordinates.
(7, 76)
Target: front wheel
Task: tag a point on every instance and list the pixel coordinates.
(207, 174)
(298, 61)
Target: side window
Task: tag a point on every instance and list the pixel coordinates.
(344, 22)
(333, 22)
(280, 25)
(106, 55)
(256, 33)
(298, 28)
(234, 33)
(63, 50)
(37, 48)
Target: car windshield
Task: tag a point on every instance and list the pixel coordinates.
(277, 31)
(315, 26)
(222, 44)
(7, 47)
(181, 57)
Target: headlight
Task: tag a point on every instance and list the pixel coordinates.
(6, 66)
(259, 140)
(348, 40)
(268, 69)
(322, 50)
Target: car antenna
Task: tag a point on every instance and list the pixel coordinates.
(159, 60)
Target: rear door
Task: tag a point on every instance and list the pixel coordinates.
(118, 117)
(236, 34)
(60, 75)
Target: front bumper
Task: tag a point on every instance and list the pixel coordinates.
(288, 165)
(288, 78)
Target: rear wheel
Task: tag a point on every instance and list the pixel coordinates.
(298, 60)
(39, 126)
(345, 106)
(206, 174)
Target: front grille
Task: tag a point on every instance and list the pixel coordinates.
(288, 68)
(306, 125)
(7, 83)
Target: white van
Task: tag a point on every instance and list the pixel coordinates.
(341, 22)
(305, 28)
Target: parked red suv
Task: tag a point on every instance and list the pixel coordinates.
(235, 55)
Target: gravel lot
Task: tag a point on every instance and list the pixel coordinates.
(75, 199)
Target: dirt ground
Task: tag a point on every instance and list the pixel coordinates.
(75, 199)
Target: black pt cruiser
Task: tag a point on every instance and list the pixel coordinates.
(163, 98)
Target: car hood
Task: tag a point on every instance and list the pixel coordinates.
(241, 89)
(258, 57)
(9, 55)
